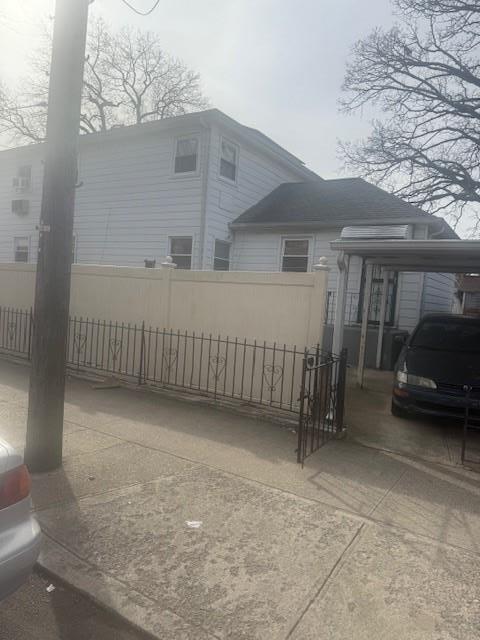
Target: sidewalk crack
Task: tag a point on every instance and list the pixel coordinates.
(334, 570)
(386, 494)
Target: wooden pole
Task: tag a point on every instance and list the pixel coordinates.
(43, 450)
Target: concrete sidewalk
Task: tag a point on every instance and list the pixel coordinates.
(362, 543)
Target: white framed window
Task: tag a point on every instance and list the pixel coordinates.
(228, 160)
(180, 248)
(186, 155)
(21, 249)
(296, 254)
(221, 256)
(20, 207)
(23, 178)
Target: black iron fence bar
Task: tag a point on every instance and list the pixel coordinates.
(302, 417)
(340, 391)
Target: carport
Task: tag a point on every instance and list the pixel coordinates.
(372, 407)
(429, 256)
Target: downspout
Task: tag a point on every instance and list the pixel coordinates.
(203, 206)
(421, 288)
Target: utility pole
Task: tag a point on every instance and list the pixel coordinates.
(43, 450)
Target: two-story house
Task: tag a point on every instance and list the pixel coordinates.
(146, 191)
(215, 194)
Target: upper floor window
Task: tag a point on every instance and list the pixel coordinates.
(229, 161)
(186, 155)
(295, 254)
(20, 249)
(221, 259)
(23, 177)
(181, 252)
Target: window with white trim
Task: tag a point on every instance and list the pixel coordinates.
(228, 160)
(24, 177)
(221, 258)
(186, 155)
(295, 254)
(21, 246)
(181, 251)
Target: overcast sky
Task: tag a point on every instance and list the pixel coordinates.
(276, 65)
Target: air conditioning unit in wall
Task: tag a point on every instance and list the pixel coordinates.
(20, 207)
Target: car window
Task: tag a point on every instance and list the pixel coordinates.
(448, 336)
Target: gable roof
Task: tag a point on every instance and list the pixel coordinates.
(327, 203)
(186, 122)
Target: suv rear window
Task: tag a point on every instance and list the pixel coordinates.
(451, 335)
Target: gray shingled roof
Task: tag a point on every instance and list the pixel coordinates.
(330, 202)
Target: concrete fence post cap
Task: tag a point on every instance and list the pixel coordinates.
(168, 263)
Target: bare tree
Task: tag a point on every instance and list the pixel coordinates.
(424, 78)
(128, 79)
(150, 84)
(100, 102)
(20, 118)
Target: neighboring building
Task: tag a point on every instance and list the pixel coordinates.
(215, 194)
(292, 227)
(146, 191)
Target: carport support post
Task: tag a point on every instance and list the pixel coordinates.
(381, 324)
(338, 325)
(365, 314)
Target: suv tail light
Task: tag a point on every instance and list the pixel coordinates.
(14, 486)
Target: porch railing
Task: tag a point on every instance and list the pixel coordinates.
(353, 307)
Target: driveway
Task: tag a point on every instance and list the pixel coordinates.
(197, 523)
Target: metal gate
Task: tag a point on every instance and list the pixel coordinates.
(322, 398)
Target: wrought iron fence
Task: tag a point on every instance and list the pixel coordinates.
(307, 382)
(322, 397)
(351, 307)
(246, 370)
(16, 331)
(251, 371)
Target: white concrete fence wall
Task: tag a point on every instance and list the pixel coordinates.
(287, 308)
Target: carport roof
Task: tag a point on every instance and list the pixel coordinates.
(449, 256)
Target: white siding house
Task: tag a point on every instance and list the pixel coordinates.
(135, 194)
(187, 187)
(304, 218)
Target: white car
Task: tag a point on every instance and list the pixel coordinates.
(20, 535)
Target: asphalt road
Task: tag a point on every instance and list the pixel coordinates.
(32, 613)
